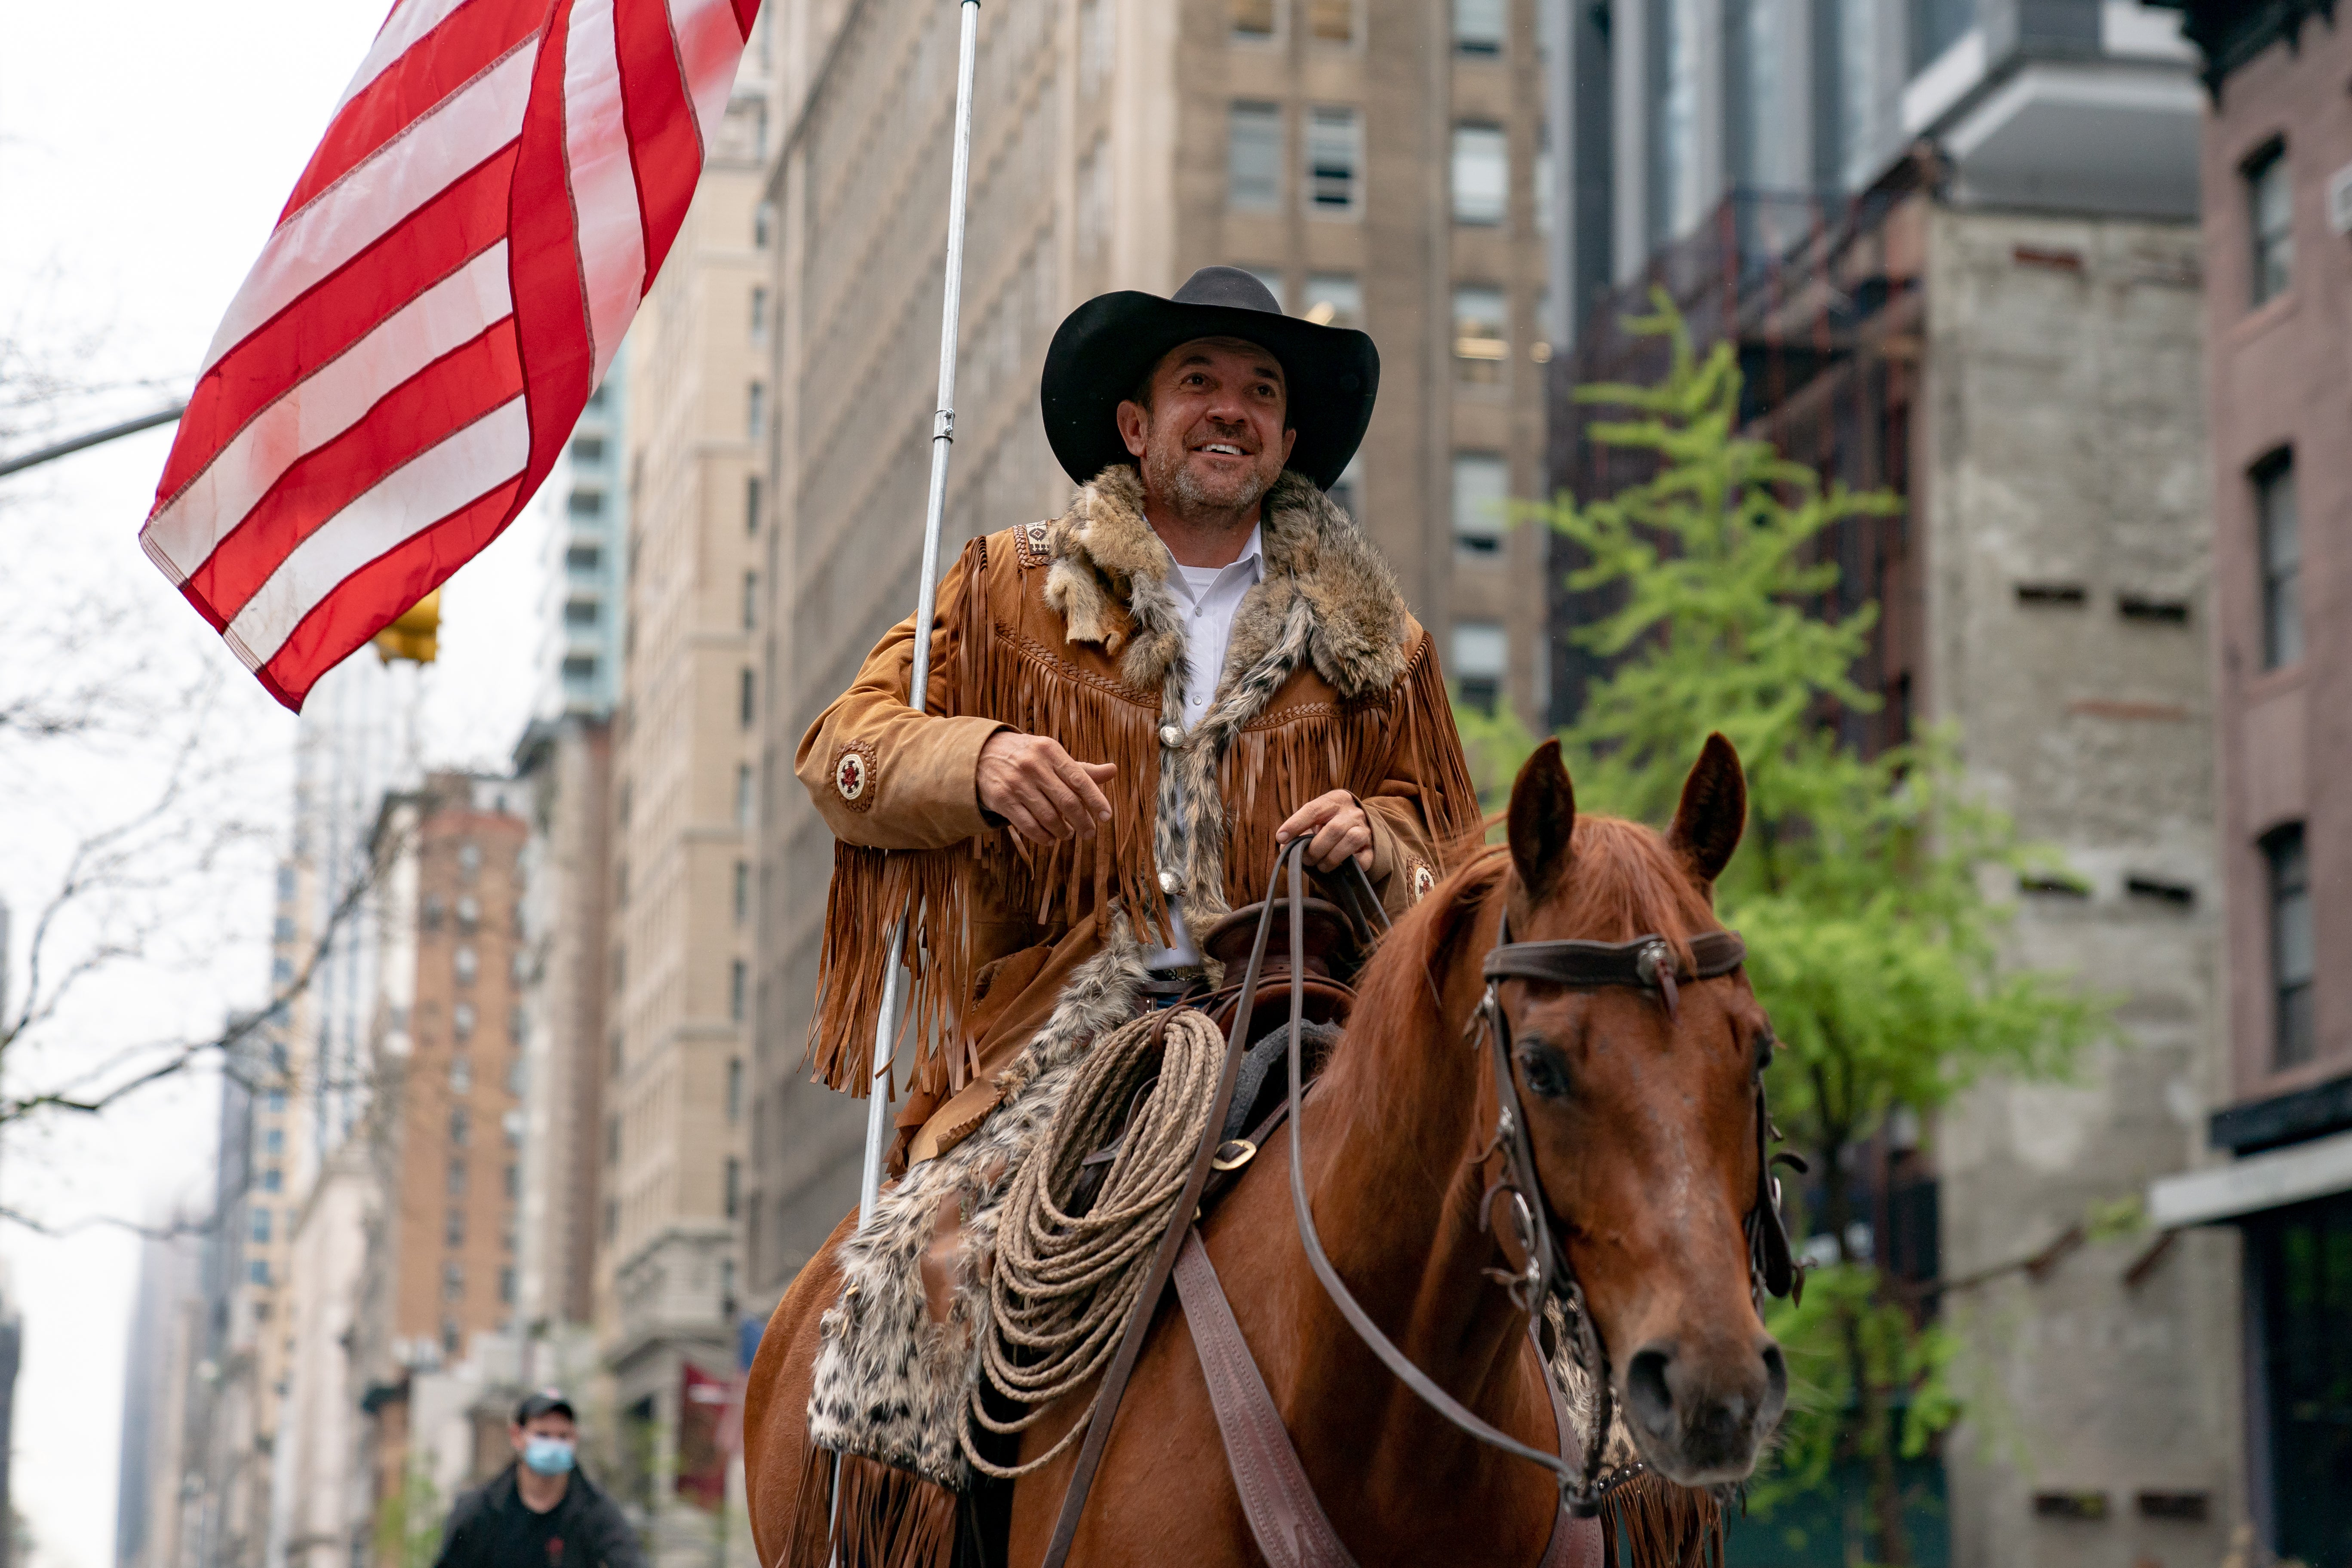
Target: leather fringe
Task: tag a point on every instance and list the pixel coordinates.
(1661, 1525)
(888, 1518)
(870, 889)
(1424, 713)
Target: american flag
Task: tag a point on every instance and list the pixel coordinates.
(447, 284)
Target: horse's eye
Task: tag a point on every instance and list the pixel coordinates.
(1765, 1041)
(1544, 1072)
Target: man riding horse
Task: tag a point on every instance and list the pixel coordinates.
(1133, 705)
(1132, 709)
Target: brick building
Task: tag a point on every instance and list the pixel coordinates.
(2277, 170)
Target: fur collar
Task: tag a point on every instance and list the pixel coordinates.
(1110, 574)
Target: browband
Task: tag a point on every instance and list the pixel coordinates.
(1644, 962)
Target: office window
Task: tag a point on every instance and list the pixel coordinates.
(2293, 1040)
(587, 449)
(731, 1179)
(456, 1178)
(751, 504)
(2278, 537)
(514, 1180)
(461, 1126)
(743, 794)
(1331, 21)
(507, 1286)
(1482, 488)
(1481, 652)
(470, 860)
(759, 313)
(755, 404)
(466, 965)
(453, 1281)
(1482, 178)
(461, 1074)
(257, 1272)
(518, 1077)
(736, 978)
(580, 612)
(1253, 157)
(453, 1229)
(1335, 150)
(586, 503)
(764, 221)
(750, 600)
(734, 1088)
(461, 1025)
(1481, 342)
(746, 708)
(1253, 20)
(261, 1227)
(1478, 27)
(1333, 300)
(1544, 202)
(273, 1142)
(613, 1139)
(275, 1103)
(582, 558)
(2269, 213)
(1545, 329)
(272, 1179)
(742, 892)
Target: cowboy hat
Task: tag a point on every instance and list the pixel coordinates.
(1108, 344)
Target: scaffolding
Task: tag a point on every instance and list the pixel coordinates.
(1823, 300)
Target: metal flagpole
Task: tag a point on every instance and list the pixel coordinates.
(886, 1028)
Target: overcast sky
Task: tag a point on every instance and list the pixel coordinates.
(145, 149)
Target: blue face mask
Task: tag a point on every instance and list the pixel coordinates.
(548, 1455)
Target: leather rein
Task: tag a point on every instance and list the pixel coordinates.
(1645, 963)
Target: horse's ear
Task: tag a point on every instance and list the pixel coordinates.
(1713, 812)
(1543, 815)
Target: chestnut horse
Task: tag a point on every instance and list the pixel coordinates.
(1644, 1131)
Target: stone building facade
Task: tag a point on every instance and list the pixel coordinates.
(677, 967)
(1378, 163)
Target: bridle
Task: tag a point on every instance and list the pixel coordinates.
(1646, 963)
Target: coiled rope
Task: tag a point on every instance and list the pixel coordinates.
(1063, 1284)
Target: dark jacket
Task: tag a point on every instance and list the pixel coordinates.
(588, 1524)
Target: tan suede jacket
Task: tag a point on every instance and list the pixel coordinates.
(1068, 628)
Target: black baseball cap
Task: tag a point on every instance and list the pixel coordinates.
(546, 1401)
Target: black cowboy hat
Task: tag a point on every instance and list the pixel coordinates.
(1109, 343)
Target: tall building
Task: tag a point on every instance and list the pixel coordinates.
(677, 969)
(1977, 284)
(1378, 164)
(160, 1370)
(2277, 172)
(564, 758)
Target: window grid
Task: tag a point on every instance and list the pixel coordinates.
(1334, 144)
(2278, 538)
(2270, 210)
(1253, 157)
(1481, 174)
(2293, 1040)
(1481, 334)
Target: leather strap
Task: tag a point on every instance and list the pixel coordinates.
(1163, 1264)
(1286, 1518)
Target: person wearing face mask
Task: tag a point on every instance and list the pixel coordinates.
(540, 1512)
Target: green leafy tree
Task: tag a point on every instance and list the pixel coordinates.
(1860, 886)
(408, 1523)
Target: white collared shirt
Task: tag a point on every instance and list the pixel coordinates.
(1212, 595)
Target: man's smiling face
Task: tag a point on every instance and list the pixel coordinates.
(1212, 438)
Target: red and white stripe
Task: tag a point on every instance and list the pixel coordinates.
(449, 280)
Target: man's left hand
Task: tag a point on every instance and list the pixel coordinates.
(1339, 828)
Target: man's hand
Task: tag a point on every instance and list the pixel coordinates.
(1340, 827)
(1043, 791)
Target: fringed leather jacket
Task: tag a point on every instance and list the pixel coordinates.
(1069, 629)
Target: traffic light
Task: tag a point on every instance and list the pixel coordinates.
(415, 637)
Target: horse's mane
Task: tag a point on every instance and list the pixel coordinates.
(1624, 882)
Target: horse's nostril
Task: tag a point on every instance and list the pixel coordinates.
(1647, 1394)
(1776, 1379)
